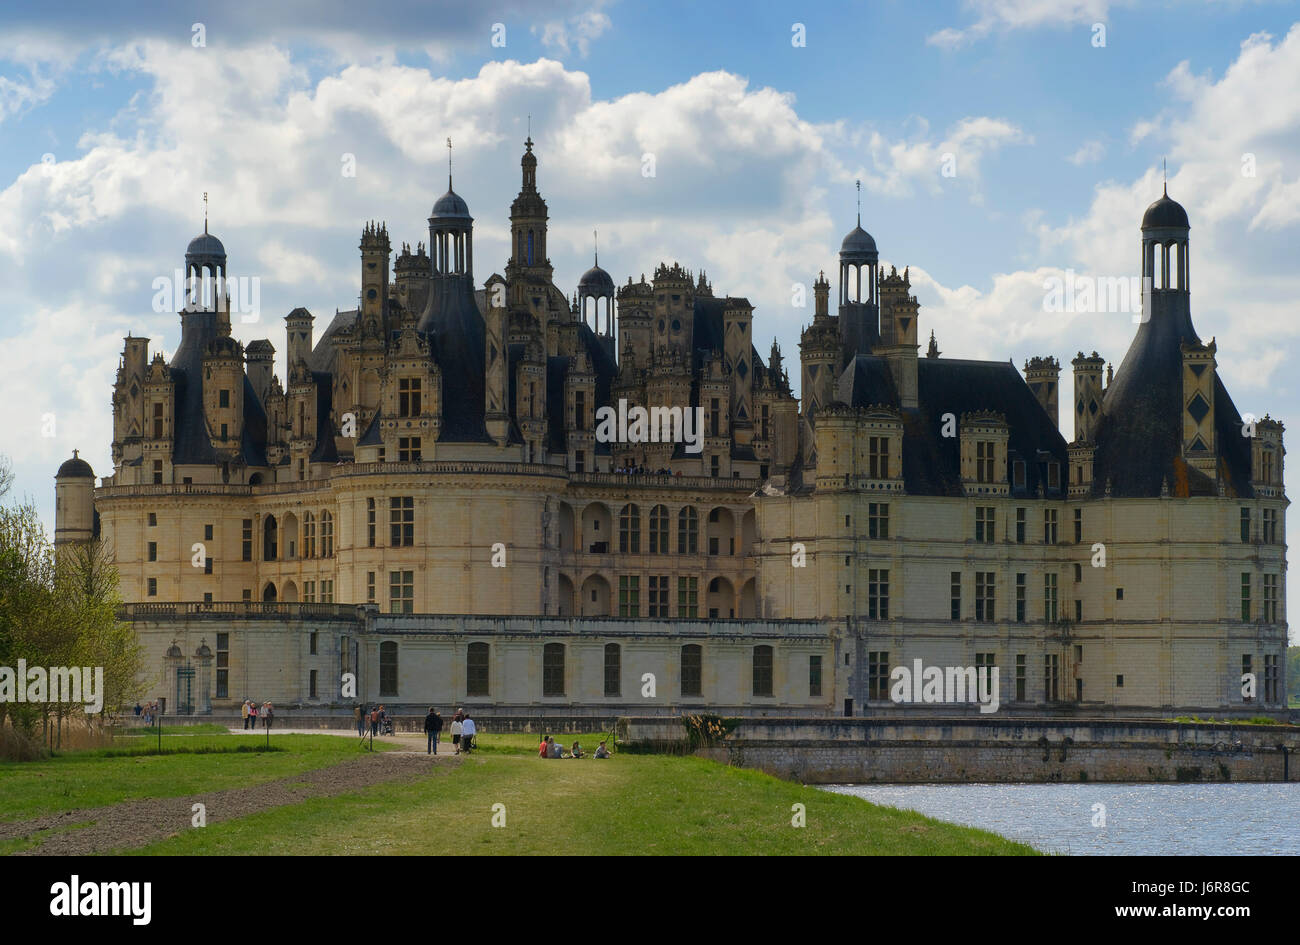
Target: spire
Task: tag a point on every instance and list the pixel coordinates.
(859, 183)
(933, 351)
(205, 213)
(595, 238)
(1164, 172)
(449, 165)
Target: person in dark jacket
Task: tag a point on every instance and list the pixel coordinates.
(432, 728)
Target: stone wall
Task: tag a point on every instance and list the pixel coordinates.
(1008, 750)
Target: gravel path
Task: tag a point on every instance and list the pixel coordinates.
(140, 822)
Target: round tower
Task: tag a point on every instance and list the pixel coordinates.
(74, 502)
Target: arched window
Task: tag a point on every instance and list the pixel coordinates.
(326, 535)
(688, 531)
(268, 593)
(270, 539)
(308, 535)
(762, 670)
(613, 669)
(476, 670)
(553, 669)
(530, 247)
(629, 529)
(659, 530)
(692, 670)
(388, 668)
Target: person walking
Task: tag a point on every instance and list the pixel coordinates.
(467, 732)
(244, 708)
(252, 715)
(268, 712)
(374, 721)
(457, 728)
(432, 725)
(359, 717)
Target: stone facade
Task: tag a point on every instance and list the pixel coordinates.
(433, 454)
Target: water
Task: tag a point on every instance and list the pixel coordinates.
(1140, 819)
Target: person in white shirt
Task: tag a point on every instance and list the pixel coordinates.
(467, 732)
(457, 731)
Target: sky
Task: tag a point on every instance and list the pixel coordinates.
(999, 144)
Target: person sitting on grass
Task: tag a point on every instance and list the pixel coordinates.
(576, 751)
(556, 750)
(602, 751)
(544, 746)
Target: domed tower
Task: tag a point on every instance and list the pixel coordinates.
(205, 273)
(859, 306)
(596, 304)
(1165, 284)
(451, 237)
(74, 501)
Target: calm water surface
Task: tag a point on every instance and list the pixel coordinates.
(1157, 819)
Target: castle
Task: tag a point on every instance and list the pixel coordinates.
(424, 509)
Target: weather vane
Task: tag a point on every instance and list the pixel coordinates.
(595, 239)
(859, 184)
(205, 212)
(449, 164)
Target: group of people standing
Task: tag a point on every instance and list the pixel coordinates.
(463, 731)
(252, 712)
(376, 719)
(147, 713)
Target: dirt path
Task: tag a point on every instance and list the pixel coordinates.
(140, 822)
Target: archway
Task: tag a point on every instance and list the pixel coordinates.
(595, 597)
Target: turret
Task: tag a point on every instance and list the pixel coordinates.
(1043, 375)
(74, 505)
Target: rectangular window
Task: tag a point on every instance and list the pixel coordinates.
(1245, 596)
(1270, 598)
(715, 422)
(878, 675)
(688, 597)
(984, 526)
(401, 519)
(153, 519)
(878, 594)
(246, 540)
(984, 451)
(1270, 527)
(248, 594)
(476, 670)
(988, 663)
(763, 670)
(984, 590)
(1020, 598)
(370, 522)
(1245, 524)
(327, 592)
(1021, 681)
(223, 398)
(1054, 476)
(629, 595)
(1119, 681)
(1051, 678)
(878, 457)
(223, 666)
(1018, 473)
(1020, 526)
(1078, 611)
(1049, 598)
(714, 468)
(878, 520)
(207, 533)
(613, 669)
(552, 670)
(955, 585)
(408, 449)
(408, 397)
(207, 563)
(659, 595)
(692, 670)
(370, 587)
(157, 424)
(388, 668)
(157, 472)
(401, 592)
(153, 587)
(579, 410)
(1272, 679)
(814, 676)
(1049, 526)
(311, 693)
(579, 461)
(311, 643)
(153, 551)
(1078, 525)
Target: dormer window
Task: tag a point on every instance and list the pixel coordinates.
(408, 397)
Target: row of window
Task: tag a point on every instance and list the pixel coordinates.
(878, 670)
(555, 675)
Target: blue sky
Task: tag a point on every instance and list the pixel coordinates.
(1058, 145)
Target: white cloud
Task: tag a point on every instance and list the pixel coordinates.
(1089, 152)
(1006, 15)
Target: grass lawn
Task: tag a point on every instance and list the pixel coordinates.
(631, 804)
(95, 777)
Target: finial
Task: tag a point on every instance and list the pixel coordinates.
(205, 213)
(1164, 170)
(859, 183)
(448, 164)
(528, 143)
(74, 454)
(595, 238)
